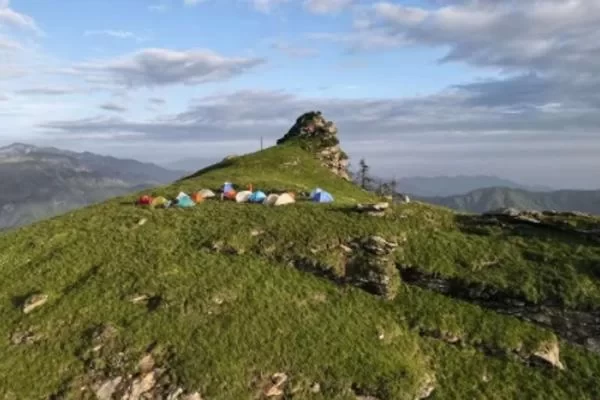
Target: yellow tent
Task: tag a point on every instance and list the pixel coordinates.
(160, 202)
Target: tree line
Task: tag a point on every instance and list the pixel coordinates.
(363, 178)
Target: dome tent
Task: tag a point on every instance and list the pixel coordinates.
(284, 199)
(184, 201)
(320, 196)
(257, 197)
(243, 196)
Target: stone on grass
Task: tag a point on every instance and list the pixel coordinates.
(34, 301)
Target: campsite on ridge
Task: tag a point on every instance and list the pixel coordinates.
(353, 299)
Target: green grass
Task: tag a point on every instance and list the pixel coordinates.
(225, 321)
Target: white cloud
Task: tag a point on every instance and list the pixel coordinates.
(326, 6)
(266, 6)
(119, 34)
(159, 67)
(9, 17)
(544, 35)
(192, 2)
(8, 44)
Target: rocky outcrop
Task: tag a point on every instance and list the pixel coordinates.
(372, 266)
(575, 326)
(320, 137)
(374, 210)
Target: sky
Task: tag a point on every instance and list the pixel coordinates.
(420, 87)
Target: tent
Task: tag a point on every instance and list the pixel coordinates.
(160, 202)
(144, 200)
(227, 187)
(207, 193)
(229, 195)
(314, 192)
(242, 197)
(284, 199)
(271, 199)
(257, 197)
(321, 196)
(184, 201)
(197, 197)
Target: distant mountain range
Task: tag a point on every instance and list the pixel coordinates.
(40, 182)
(455, 185)
(486, 199)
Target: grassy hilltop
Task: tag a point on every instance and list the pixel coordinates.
(239, 301)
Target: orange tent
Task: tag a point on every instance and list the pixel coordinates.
(197, 197)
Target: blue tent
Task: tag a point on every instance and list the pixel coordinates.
(185, 201)
(257, 197)
(321, 196)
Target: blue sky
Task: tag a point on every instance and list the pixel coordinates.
(419, 87)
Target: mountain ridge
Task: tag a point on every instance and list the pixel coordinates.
(486, 199)
(443, 186)
(40, 182)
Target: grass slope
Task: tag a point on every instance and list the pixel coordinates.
(221, 322)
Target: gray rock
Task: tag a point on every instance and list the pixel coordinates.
(108, 388)
(320, 136)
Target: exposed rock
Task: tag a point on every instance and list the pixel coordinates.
(372, 266)
(193, 396)
(374, 209)
(139, 298)
(25, 337)
(593, 344)
(315, 388)
(141, 385)
(575, 326)
(275, 388)
(549, 353)
(319, 136)
(146, 364)
(426, 388)
(34, 301)
(108, 388)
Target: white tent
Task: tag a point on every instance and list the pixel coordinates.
(242, 197)
(271, 199)
(207, 193)
(284, 199)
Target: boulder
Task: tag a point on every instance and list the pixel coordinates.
(320, 137)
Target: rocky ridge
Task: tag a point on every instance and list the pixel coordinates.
(320, 136)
